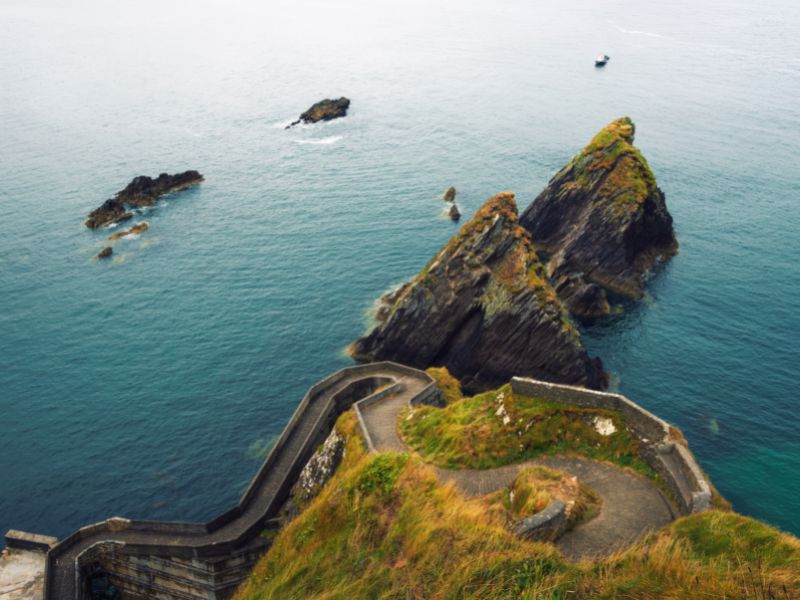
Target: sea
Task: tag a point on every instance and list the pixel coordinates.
(152, 384)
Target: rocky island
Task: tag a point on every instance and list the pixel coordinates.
(141, 191)
(602, 222)
(324, 110)
(483, 307)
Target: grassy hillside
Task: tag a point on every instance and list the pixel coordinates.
(385, 528)
(500, 427)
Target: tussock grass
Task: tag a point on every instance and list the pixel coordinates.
(385, 528)
(449, 385)
(535, 487)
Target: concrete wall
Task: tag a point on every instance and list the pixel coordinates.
(143, 559)
(671, 460)
(547, 525)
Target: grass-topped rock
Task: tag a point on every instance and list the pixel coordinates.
(535, 487)
(484, 308)
(500, 427)
(603, 222)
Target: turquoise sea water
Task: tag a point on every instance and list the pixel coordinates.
(151, 385)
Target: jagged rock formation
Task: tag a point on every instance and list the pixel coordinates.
(324, 110)
(135, 230)
(105, 252)
(145, 191)
(111, 211)
(603, 223)
(450, 195)
(484, 309)
(142, 191)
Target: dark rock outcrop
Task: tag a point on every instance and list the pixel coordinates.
(324, 110)
(105, 252)
(450, 195)
(602, 222)
(111, 211)
(135, 230)
(484, 309)
(145, 191)
(142, 191)
(454, 213)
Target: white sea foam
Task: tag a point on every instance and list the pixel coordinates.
(322, 141)
(638, 32)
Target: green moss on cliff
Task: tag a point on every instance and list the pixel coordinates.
(613, 168)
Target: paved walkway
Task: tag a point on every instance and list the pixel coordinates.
(632, 505)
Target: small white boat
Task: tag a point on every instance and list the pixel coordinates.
(601, 60)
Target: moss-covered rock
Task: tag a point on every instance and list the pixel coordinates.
(603, 222)
(483, 308)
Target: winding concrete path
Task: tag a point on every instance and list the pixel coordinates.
(632, 505)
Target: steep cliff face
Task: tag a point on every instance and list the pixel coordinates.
(603, 222)
(484, 309)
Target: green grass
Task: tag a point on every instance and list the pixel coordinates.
(449, 385)
(499, 427)
(535, 487)
(385, 528)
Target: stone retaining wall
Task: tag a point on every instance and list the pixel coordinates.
(659, 448)
(547, 525)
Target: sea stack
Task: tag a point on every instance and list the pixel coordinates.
(602, 222)
(324, 110)
(484, 309)
(450, 195)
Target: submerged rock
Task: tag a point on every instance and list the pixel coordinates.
(454, 213)
(483, 308)
(135, 230)
(324, 110)
(105, 252)
(603, 222)
(142, 191)
(450, 195)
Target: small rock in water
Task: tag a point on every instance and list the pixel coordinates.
(141, 191)
(105, 252)
(450, 195)
(454, 213)
(324, 110)
(135, 230)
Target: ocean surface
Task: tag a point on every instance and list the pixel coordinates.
(151, 385)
